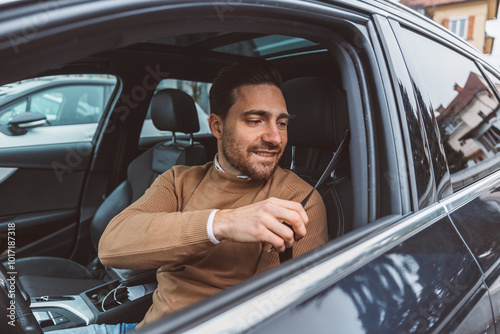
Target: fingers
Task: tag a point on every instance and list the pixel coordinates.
(291, 212)
(291, 205)
(277, 242)
(262, 221)
(283, 232)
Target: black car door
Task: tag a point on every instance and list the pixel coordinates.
(427, 279)
(457, 101)
(413, 272)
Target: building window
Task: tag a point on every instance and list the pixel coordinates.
(454, 124)
(460, 25)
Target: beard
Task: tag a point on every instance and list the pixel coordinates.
(241, 159)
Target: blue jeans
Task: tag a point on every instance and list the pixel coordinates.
(99, 329)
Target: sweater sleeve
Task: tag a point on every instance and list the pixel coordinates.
(151, 233)
(317, 230)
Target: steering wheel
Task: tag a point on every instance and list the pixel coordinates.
(14, 308)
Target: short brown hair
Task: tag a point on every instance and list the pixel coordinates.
(252, 71)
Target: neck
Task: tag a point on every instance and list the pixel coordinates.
(233, 183)
(226, 166)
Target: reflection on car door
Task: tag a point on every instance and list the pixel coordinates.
(459, 94)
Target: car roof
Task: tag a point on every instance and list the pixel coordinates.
(107, 11)
(200, 56)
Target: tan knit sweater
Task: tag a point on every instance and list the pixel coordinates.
(167, 229)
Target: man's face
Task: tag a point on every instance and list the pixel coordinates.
(254, 133)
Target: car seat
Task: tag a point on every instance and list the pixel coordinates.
(171, 110)
(318, 108)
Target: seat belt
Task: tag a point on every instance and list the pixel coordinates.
(287, 254)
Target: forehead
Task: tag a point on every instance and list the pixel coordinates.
(268, 98)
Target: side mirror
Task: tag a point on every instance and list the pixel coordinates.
(20, 124)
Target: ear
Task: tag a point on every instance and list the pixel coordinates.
(216, 125)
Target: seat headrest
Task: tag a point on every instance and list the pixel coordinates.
(174, 110)
(313, 104)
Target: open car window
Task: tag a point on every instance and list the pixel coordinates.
(70, 105)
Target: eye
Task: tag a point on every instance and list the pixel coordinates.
(282, 125)
(253, 121)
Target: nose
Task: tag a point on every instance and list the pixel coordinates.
(272, 135)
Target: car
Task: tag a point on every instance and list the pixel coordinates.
(413, 204)
(65, 102)
(72, 106)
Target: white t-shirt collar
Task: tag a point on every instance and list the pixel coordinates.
(219, 168)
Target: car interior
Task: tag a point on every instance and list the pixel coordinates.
(323, 96)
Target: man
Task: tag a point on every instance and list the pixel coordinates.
(210, 227)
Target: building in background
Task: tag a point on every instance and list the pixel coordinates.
(470, 121)
(466, 18)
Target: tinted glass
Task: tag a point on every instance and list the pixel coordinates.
(266, 45)
(463, 105)
(186, 40)
(417, 154)
(494, 79)
(440, 169)
(245, 45)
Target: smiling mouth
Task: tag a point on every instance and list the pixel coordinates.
(266, 154)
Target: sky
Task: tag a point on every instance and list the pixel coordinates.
(493, 29)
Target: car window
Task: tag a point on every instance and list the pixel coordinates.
(463, 105)
(7, 113)
(70, 104)
(259, 46)
(197, 90)
(65, 100)
(266, 45)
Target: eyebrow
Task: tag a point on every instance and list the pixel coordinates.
(265, 113)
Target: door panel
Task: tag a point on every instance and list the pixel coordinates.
(493, 283)
(43, 168)
(478, 222)
(423, 284)
(41, 197)
(473, 317)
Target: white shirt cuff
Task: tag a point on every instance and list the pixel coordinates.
(210, 227)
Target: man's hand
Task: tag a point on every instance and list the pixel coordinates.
(262, 222)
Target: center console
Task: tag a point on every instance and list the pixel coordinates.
(120, 300)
